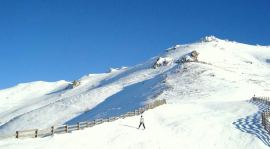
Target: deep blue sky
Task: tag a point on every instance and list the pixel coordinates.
(65, 39)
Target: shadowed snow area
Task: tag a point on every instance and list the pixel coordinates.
(253, 124)
(128, 99)
(206, 99)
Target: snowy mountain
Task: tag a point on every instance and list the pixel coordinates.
(206, 85)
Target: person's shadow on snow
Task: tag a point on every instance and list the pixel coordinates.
(129, 126)
(253, 124)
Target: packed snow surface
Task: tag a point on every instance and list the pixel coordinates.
(207, 102)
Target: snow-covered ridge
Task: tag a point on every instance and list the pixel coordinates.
(213, 86)
(25, 92)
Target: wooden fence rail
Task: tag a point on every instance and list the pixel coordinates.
(34, 133)
(266, 114)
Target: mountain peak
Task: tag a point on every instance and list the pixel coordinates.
(210, 38)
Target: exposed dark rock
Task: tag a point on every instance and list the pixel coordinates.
(75, 83)
(162, 62)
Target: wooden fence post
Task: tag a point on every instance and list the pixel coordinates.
(36, 133)
(17, 134)
(52, 130)
(66, 128)
(78, 125)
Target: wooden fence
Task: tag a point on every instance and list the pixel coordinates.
(265, 114)
(34, 133)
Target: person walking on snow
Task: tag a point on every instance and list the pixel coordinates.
(141, 122)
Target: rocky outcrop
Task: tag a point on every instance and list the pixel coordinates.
(75, 83)
(191, 57)
(194, 55)
(162, 62)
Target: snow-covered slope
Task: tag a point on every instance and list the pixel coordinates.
(205, 98)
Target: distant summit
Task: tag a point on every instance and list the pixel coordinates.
(210, 39)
